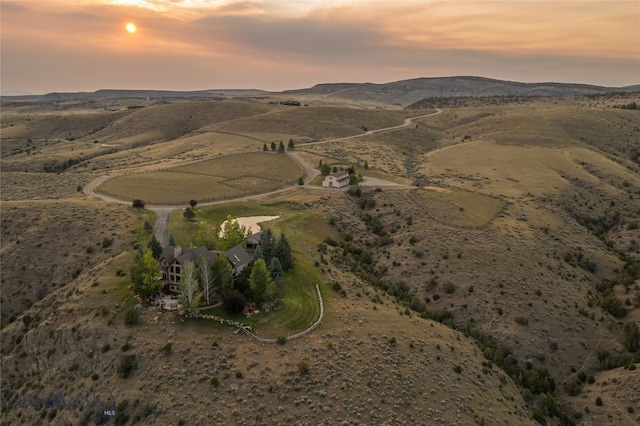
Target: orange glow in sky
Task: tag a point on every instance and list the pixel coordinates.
(288, 44)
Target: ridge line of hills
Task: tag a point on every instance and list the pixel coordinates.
(403, 91)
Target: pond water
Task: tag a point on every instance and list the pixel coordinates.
(250, 222)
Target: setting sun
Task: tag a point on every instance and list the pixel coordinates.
(131, 27)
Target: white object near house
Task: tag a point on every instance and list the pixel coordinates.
(338, 179)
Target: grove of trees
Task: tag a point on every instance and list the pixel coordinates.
(201, 280)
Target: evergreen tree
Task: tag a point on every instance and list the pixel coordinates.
(146, 275)
(188, 213)
(172, 241)
(271, 291)
(291, 144)
(273, 146)
(241, 282)
(155, 247)
(222, 274)
(366, 165)
(275, 268)
(267, 245)
(147, 226)
(258, 253)
(259, 280)
(282, 251)
(264, 147)
(281, 147)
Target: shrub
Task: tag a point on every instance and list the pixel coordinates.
(522, 321)
(457, 369)
(239, 374)
(106, 242)
(449, 287)
(303, 367)
(281, 340)
(166, 349)
(127, 364)
(613, 305)
(138, 204)
(131, 317)
(572, 387)
(234, 301)
(599, 401)
(214, 381)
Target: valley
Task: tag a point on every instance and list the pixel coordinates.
(497, 282)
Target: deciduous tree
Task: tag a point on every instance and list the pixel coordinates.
(189, 286)
(205, 273)
(146, 275)
(232, 233)
(325, 169)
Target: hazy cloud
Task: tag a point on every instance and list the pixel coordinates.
(195, 44)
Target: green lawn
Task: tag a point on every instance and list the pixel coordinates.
(304, 230)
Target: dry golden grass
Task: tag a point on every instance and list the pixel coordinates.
(222, 178)
(505, 266)
(313, 123)
(516, 170)
(457, 207)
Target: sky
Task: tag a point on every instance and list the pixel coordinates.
(83, 45)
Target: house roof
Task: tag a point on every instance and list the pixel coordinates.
(254, 239)
(238, 256)
(188, 254)
(340, 174)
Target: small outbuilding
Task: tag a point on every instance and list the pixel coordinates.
(339, 179)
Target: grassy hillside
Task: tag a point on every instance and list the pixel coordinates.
(487, 293)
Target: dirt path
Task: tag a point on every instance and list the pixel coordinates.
(163, 212)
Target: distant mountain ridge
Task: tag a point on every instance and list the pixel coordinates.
(397, 92)
(407, 91)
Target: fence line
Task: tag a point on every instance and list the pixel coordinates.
(295, 336)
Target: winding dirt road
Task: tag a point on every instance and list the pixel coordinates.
(163, 212)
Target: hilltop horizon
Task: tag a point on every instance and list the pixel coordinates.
(15, 93)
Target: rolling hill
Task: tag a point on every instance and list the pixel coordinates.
(499, 284)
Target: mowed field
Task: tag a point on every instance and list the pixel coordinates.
(222, 178)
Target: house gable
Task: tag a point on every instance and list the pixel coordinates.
(338, 179)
